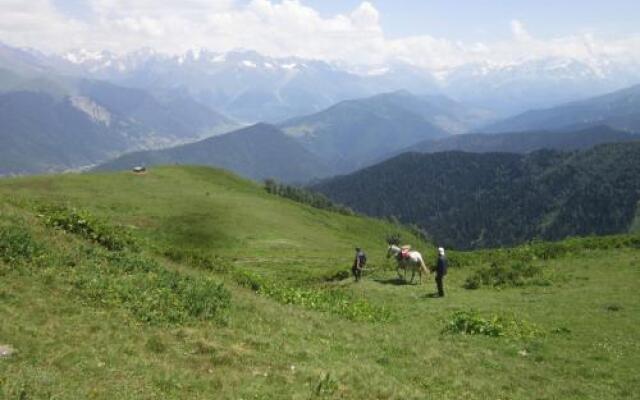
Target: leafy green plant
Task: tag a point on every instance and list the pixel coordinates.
(540, 250)
(85, 224)
(152, 293)
(470, 322)
(326, 387)
(16, 244)
(197, 259)
(155, 345)
(473, 282)
(334, 301)
(115, 273)
(338, 276)
(499, 275)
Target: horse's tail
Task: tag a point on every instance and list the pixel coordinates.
(423, 267)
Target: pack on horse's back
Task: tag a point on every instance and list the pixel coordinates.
(404, 253)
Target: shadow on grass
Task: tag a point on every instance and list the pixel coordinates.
(394, 281)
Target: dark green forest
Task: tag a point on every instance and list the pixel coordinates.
(468, 200)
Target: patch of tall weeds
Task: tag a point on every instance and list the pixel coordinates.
(470, 322)
(516, 274)
(152, 293)
(333, 301)
(85, 224)
(108, 269)
(17, 244)
(539, 250)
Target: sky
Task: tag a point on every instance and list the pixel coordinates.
(432, 34)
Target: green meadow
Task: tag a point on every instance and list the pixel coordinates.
(191, 283)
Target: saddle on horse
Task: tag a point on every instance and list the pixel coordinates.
(404, 253)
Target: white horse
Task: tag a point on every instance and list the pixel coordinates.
(413, 261)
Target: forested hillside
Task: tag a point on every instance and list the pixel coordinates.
(525, 142)
(470, 200)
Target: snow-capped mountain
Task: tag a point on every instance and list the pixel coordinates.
(516, 87)
(244, 84)
(254, 87)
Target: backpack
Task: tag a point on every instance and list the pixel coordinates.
(362, 258)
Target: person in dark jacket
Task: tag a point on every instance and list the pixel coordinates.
(441, 271)
(359, 263)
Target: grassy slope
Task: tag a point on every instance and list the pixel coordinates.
(269, 350)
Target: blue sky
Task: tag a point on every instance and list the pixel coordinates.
(432, 34)
(470, 19)
(489, 19)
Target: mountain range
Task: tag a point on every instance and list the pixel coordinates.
(357, 133)
(619, 110)
(96, 106)
(345, 137)
(253, 87)
(53, 122)
(246, 85)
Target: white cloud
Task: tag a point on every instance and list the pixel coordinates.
(35, 23)
(519, 31)
(281, 28)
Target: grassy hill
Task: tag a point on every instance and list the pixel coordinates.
(193, 283)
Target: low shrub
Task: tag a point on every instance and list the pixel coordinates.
(326, 387)
(515, 275)
(327, 300)
(247, 280)
(17, 244)
(539, 250)
(338, 276)
(156, 345)
(83, 223)
(470, 322)
(152, 293)
(197, 259)
(473, 282)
